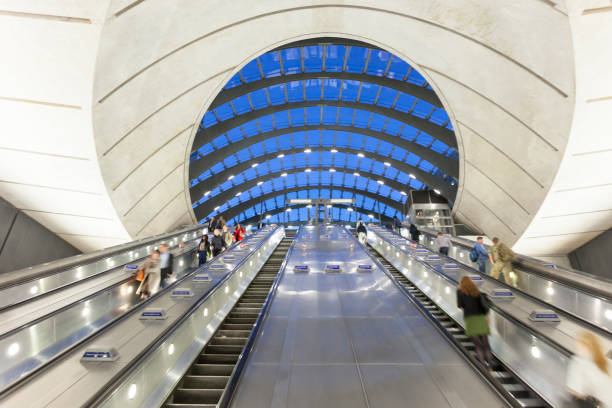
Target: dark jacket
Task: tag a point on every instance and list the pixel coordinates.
(414, 232)
(361, 228)
(471, 305)
(218, 243)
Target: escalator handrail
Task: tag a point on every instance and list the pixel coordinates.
(39, 271)
(236, 375)
(110, 386)
(560, 348)
(537, 266)
(136, 309)
(591, 326)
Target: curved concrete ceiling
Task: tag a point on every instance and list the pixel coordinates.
(155, 66)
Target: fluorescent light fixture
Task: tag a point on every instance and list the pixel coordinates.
(332, 170)
(380, 182)
(402, 192)
(307, 151)
(356, 174)
(360, 155)
(411, 176)
(268, 216)
(436, 191)
(230, 177)
(300, 201)
(333, 151)
(371, 215)
(387, 164)
(280, 156)
(206, 193)
(254, 164)
(216, 208)
(349, 209)
(238, 193)
(259, 183)
(284, 175)
(308, 170)
(341, 200)
(288, 209)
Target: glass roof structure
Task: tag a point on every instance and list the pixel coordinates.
(322, 118)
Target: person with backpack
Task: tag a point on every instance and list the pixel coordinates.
(167, 264)
(396, 224)
(501, 258)
(203, 250)
(479, 254)
(475, 307)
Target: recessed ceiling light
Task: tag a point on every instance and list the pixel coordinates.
(437, 191)
(216, 208)
(411, 176)
(349, 209)
(356, 174)
(360, 155)
(254, 164)
(280, 156)
(284, 175)
(288, 209)
(307, 170)
(230, 177)
(206, 193)
(307, 151)
(380, 182)
(334, 151)
(332, 170)
(238, 193)
(387, 164)
(402, 192)
(259, 183)
(268, 216)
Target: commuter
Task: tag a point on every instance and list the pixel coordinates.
(227, 236)
(414, 233)
(167, 264)
(219, 224)
(396, 224)
(475, 308)
(217, 244)
(239, 233)
(442, 243)
(362, 232)
(589, 373)
(479, 254)
(211, 224)
(203, 250)
(152, 277)
(501, 257)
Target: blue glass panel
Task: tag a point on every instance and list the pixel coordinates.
(350, 90)
(404, 102)
(334, 58)
(422, 109)
(235, 81)
(331, 89)
(398, 68)
(251, 72)
(294, 91)
(362, 118)
(416, 78)
(409, 133)
(345, 116)
(270, 64)
(368, 92)
(313, 89)
(299, 139)
(313, 58)
(209, 119)
(378, 122)
(439, 116)
(378, 62)
(387, 97)
(291, 60)
(258, 99)
(313, 115)
(276, 94)
(356, 59)
(424, 139)
(438, 146)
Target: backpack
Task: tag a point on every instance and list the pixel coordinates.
(505, 253)
(473, 255)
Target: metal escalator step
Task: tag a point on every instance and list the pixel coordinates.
(238, 314)
(236, 326)
(228, 341)
(223, 349)
(197, 396)
(232, 333)
(205, 382)
(212, 369)
(530, 402)
(177, 405)
(250, 304)
(217, 358)
(240, 319)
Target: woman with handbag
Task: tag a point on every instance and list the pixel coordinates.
(239, 233)
(152, 277)
(588, 374)
(475, 309)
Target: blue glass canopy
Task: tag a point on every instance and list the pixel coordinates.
(321, 119)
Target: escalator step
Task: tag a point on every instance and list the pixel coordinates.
(205, 382)
(223, 349)
(212, 369)
(197, 396)
(228, 341)
(217, 358)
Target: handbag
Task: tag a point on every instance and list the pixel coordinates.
(484, 303)
(140, 275)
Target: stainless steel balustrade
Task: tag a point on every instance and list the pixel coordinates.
(152, 377)
(582, 302)
(27, 284)
(538, 362)
(31, 346)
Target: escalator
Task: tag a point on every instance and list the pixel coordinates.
(517, 393)
(207, 382)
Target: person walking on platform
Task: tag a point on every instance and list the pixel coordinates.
(203, 250)
(480, 255)
(414, 233)
(152, 278)
(167, 264)
(239, 233)
(501, 257)
(589, 379)
(475, 308)
(217, 244)
(362, 232)
(442, 243)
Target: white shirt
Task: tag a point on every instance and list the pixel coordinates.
(586, 379)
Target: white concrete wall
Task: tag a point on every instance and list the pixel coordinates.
(578, 206)
(504, 71)
(48, 161)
